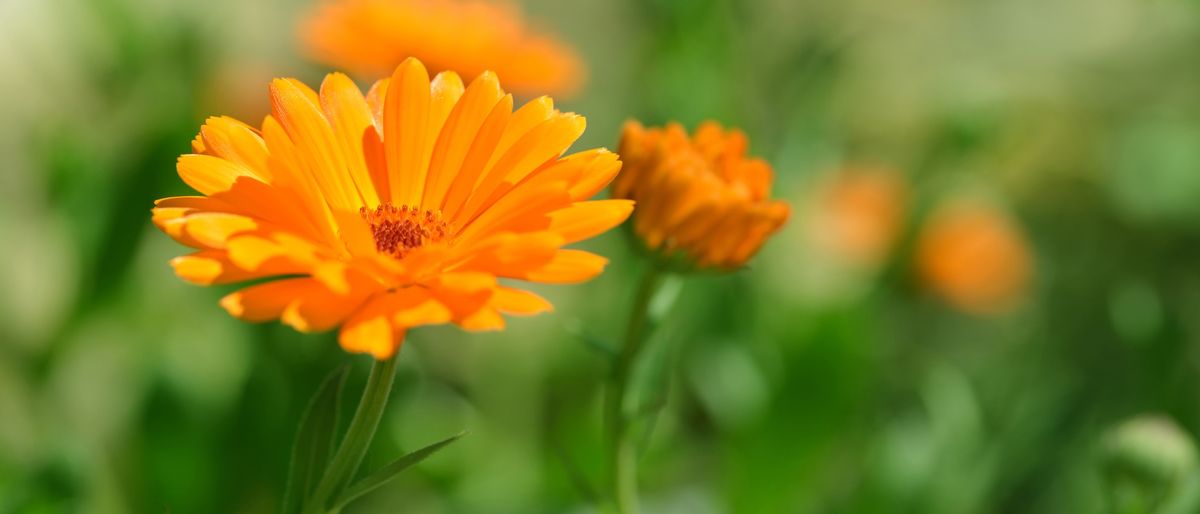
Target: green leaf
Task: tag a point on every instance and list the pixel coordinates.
(315, 441)
(388, 472)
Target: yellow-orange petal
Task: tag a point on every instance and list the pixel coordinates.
(482, 147)
(519, 302)
(457, 134)
(483, 320)
(567, 267)
(212, 267)
(415, 306)
(213, 229)
(254, 251)
(546, 141)
(512, 212)
(370, 330)
(204, 268)
(236, 142)
(406, 132)
(266, 301)
(508, 254)
(350, 116)
(208, 174)
(464, 293)
(298, 110)
(584, 220)
(320, 309)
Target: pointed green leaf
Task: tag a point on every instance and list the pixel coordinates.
(388, 472)
(315, 441)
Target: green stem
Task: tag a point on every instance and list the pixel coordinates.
(622, 450)
(354, 446)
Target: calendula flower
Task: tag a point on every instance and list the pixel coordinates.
(700, 197)
(393, 210)
(972, 255)
(859, 215)
(467, 36)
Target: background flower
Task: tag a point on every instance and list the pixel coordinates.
(974, 256)
(369, 37)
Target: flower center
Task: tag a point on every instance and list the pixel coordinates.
(399, 230)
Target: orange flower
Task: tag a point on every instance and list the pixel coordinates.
(389, 211)
(861, 214)
(469, 37)
(700, 196)
(974, 256)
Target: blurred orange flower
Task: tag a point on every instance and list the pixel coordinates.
(393, 210)
(467, 36)
(698, 196)
(974, 256)
(860, 214)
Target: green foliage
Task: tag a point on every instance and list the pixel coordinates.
(801, 384)
(316, 440)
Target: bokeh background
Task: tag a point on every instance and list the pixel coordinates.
(834, 375)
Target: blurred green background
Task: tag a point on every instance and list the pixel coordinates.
(804, 384)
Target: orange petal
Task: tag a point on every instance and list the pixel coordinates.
(584, 220)
(406, 138)
(444, 92)
(600, 167)
(464, 293)
(530, 115)
(457, 135)
(508, 254)
(375, 97)
(210, 267)
(254, 251)
(483, 145)
(213, 229)
(375, 157)
(414, 306)
(350, 117)
(519, 302)
(172, 221)
(266, 301)
(208, 174)
(568, 267)
(206, 268)
(319, 309)
(291, 173)
(547, 141)
(236, 142)
(512, 212)
(318, 150)
(482, 320)
(371, 331)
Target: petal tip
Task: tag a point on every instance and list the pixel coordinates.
(232, 303)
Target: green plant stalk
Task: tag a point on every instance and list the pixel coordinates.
(622, 449)
(358, 438)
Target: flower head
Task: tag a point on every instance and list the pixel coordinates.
(466, 36)
(972, 255)
(699, 197)
(391, 210)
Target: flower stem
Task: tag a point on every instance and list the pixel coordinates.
(622, 450)
(354, 446)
